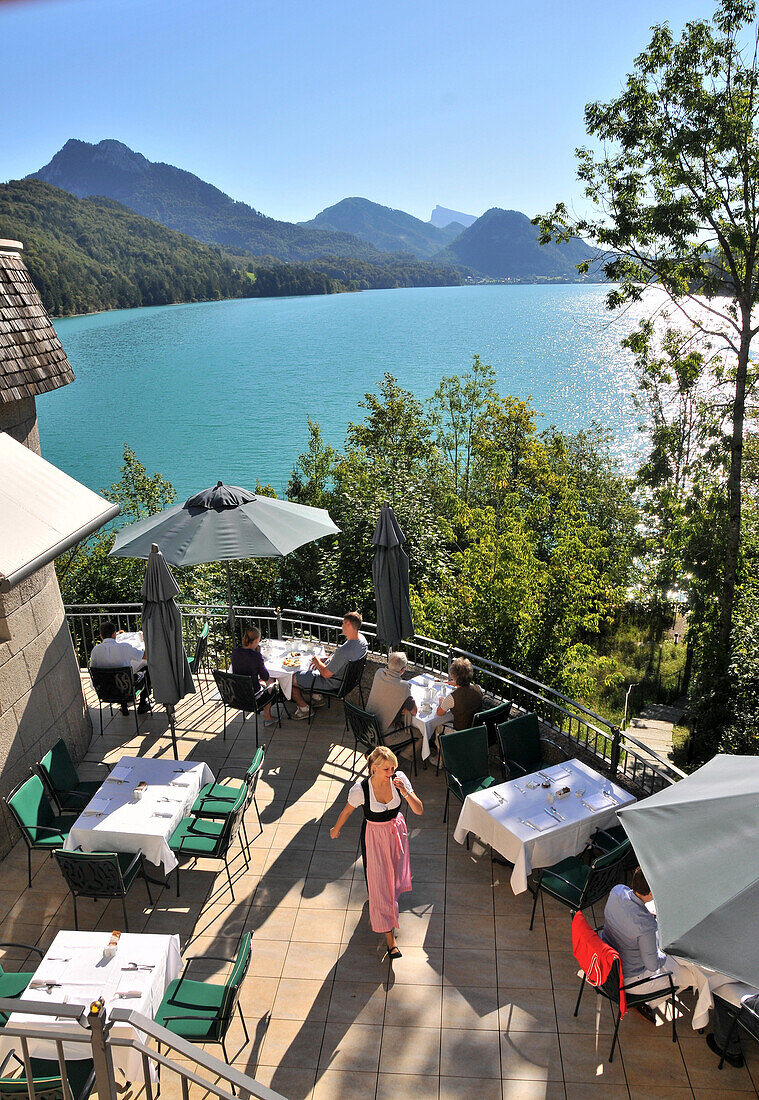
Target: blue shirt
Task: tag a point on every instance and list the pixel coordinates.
(633, 932)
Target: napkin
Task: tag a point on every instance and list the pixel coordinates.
(97, 806)
(559, 773)
(121, 771)
(491, 803)
(542, 823)
(598, 801)
(180, 783)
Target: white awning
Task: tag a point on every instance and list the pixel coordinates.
(43, 512)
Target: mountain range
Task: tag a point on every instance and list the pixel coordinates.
(502, 244)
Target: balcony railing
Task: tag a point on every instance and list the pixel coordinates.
(616, 753)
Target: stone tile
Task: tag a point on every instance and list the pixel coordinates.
(530, 1056)
(471, 1008)
(312, 960)
(460, 1088)
(473, 1053)
(357, 1002)
(408, 1086)
(701, 1066)
(333, 1084)
(301, 999)
(350, 1047)
(270, 922)
(412, 1050)
(292, 1044)
(414, 1006)
(526, 1010)
(460, 965)
(586, 1060)
(419, 967)
(319, 925)
(521, 969)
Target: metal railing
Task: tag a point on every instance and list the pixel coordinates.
(95, 1034)
(616, 752)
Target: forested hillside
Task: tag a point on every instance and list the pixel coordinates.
(385, 228)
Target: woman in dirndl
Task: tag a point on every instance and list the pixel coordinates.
(384, 839)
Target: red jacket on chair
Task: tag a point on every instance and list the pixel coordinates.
(595, 957)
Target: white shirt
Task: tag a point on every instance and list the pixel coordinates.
(111, 653)
(356, 795)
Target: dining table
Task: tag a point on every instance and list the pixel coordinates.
(427, 691)
(297, 655)
(117, 819)
(541, 818)
(76, 970)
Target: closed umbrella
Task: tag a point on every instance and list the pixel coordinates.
(170, 676)
(390, 576)
(698, 844)
(225, 523)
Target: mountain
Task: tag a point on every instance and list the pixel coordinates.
(503, 244)
(187, 204)
(442, 217)
(93, 254)
(385, 228)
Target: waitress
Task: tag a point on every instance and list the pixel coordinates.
(384, 839)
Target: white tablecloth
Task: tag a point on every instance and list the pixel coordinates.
(76, 961)
(114, 821)
(274, 652)
(499, 825)
(426, 719)
(704, 983)
(133, 637)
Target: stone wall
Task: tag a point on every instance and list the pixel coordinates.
(40, 688)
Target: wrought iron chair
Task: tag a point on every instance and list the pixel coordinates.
(13, 984)
(613, 988)
(61, 780)
(217, 800)
(492, 718)
(115, 685)
(354, 672)
(101, 875)
(206, 838)
(522, 745)
(46, 1083)
(237, 694)
(577, 884)
(466, 763)
(199, 657)
(368, 734)
(42, 830)
(200, 1011)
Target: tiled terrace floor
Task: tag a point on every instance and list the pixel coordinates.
(477, 1007)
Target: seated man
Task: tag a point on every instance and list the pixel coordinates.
(329, 674)
(112, 653)
(632, 930)
(390, 700)
(724, 1038)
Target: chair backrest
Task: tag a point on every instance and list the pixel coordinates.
(748, 1017)
(520, 741)
(255, 767)
(592, 944)
(236, 691)
(57, 769)
(364, 726)
(492, 718)
(234, 981)
(113, 685)
(201, 646)
(354, 670)
(604, 873)
(465, 753)
(91, 874)
(233, 821)
(30, 806)
(45, 1088)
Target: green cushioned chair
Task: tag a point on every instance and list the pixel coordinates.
(200, 1011)
(216, 800)
(14, 984)
(491, 719)
(522, 746)
(41, 829)
(206, 838)
(61, 780)
(466, 763)
(101, 875)
(577, 884)
(46, 1079)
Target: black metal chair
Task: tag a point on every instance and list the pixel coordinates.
(352, 679)
(61, 780)
(237, 693)
(42, 830)
(491, 719)
(218, 800)
(115, 685)
(577, 884)
(367, 733)
(101, 875)
(13, 984)
(523, 746)
(199, 657)
(207, 838)
(46, 1082)
(612, 988)
(466, 764)
(745, 1017)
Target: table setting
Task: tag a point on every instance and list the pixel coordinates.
(138, 807)
(80, 967)
(540, 819)
(427, 691)
(283, 658)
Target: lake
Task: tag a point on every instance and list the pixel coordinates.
(222, 390)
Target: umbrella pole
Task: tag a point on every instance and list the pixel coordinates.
(231, 612)
(172, 726)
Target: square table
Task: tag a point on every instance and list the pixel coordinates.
(499, 816)
(75, 962)
(115, 821)
(426, 719)
(275, 653)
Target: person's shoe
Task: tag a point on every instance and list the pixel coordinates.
(300, 713)
(125, 709)
(734, 1060)
(144, 707)
(318, 701)
(270, 722)
(646, 1012)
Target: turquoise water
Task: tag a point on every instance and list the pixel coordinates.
(222, 390)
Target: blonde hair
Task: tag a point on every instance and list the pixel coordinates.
(382, 752)
(252, 634)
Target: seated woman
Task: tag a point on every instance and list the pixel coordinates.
(247, 660)
(466, 698)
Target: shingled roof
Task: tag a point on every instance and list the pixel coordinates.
(32, 360)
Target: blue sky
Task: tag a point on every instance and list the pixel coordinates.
(291, 105)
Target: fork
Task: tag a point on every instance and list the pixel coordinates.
(523, 822)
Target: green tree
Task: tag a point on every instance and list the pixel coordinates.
(676, 181)
(458, 409)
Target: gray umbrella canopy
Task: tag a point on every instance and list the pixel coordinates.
(698, 844)
(170, 675)
(390, 576)
(224, 523)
